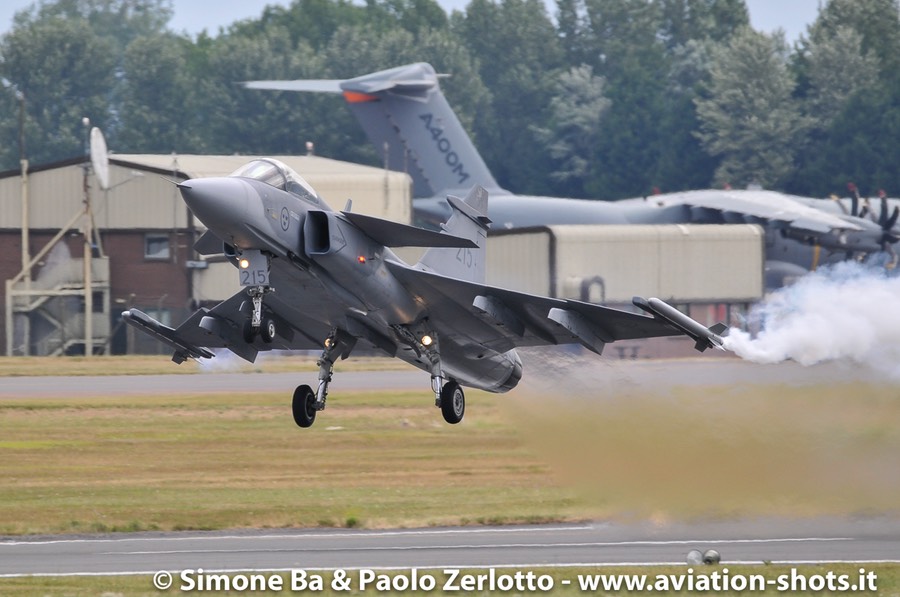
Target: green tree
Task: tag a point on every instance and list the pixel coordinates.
(517, 51)
(750, 118)
(315, 22)
(120, 20)
(837, 69)
(876, 21)
(570, 27)
(412, 15)
(683, 164)
(66, 72)
(311, 21)
(623, 41)
(238, 120)
(860, 145)
(686, 20)
(655, 56)
(856, 120)
(577, 109)
(158, 99)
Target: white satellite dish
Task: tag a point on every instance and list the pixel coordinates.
(100, 158)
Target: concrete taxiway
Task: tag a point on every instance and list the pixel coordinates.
(543, 370)
(597, 544)
(200, 383)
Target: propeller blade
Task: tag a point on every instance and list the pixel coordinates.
(882, 218)
(869, 210)
(840, 204)
(889, 225)
(854, 198)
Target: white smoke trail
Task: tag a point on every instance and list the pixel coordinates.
(225, 361)
(848, 311)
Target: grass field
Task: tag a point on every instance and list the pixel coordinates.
(209, 462)
(382, 459)
(379, 459)
(888, 581)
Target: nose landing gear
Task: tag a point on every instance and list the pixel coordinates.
(258, 323)
(253, 268)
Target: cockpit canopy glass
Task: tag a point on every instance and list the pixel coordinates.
(277, 174)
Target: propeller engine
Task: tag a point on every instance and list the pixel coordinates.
(886, 219)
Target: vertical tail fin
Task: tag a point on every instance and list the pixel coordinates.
(468, 220)
(405, 115)
(404, 111)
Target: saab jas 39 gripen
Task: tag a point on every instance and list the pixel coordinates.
(339, 287)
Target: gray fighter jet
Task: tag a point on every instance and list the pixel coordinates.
(403, 110)
(339, 287)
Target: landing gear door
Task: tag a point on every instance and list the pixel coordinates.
(253, 268)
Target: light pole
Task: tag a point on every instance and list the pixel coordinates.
(23, 166)
(88, 253)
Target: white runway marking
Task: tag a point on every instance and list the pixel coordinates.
(488, 546)
(335, 535)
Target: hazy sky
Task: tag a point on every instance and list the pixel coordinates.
(195, 15)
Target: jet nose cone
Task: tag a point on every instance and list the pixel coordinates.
(220, 203)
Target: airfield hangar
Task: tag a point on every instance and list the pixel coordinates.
(142, 253)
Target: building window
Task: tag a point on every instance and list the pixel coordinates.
(156, 246)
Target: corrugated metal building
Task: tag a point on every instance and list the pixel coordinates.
(612, 263)
(144, 256)
(712, 272)
(609, 263)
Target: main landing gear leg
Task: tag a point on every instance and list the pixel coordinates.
(448, 395)
(307, 403)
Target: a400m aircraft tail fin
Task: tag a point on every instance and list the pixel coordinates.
(468, 220)
(406, 116)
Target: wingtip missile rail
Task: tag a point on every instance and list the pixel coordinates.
(703, 336)
(168, 336)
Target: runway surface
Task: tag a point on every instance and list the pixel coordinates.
(201, 383)
(542, 369)
(598, 544)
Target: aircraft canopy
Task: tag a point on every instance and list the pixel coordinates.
(277, 174)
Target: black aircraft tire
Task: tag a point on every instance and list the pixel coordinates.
(268, 330)
(304, 406)
(711, 557)
(453, 402)
(248, 332)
